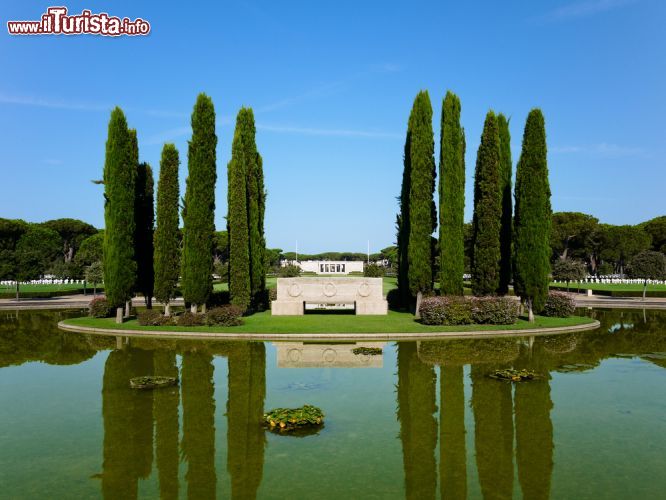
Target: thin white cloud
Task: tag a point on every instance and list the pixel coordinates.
(585, 8)
(49, 103)
(328, 88)
(40, 102)
(319, 91)
(327, 132)
(172, 134)
(167, 135)
(603, 150)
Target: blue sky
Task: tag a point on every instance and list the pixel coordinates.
(332, 84)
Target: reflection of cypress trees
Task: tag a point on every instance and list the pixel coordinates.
(418, 427)
(118, 478)
(199, 424)
(534, 431)
(245, 408)
(128, 423)
(141, 407)
(453, 456)
(166, 426)
(493, 433)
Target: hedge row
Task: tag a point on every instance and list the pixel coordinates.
(224, 315)
(449, 310)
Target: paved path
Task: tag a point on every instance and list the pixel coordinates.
(64, 302)
(81, 301)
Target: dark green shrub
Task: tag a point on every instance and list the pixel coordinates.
(153, 317)
(290, 271)
(190, 319)
(393, 299)
(494, 310)
(99, 308)
(227, 315)
(218, 298)
(373, 271)
(448, 310)
(605, 268)
(559, 305)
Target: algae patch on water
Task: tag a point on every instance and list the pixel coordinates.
(294, 420)
(512, 375)
(152, 382)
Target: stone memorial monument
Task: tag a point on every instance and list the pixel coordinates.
(294, 293)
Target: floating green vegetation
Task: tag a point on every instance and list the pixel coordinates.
(513, 375)
(294, 420)
(152, 382)
(575, 367)
(368, 351)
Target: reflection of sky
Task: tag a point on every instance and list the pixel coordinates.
(620, 326)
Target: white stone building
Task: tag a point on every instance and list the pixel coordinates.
(327, 266)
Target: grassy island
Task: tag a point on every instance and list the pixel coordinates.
(394, 322)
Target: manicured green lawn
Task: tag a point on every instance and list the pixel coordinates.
(610, 287)
(395, 322)
(46, 288)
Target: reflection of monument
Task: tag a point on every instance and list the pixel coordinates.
(294, 293)
(306, 355)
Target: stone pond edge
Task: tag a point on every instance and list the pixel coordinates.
(527, 332)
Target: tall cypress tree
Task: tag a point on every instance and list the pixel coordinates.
(199, 206)
(119, 181)
(506, 232)
(402, 221)
(237, 220)
(422, 211)
(144, 216)
(532, 222)
(487, 211)
(167, 246)
(451, 198)
(255, 204)
(262, 212)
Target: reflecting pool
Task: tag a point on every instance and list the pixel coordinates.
(422, 420)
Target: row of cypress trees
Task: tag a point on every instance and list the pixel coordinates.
(504, 247)
(128, 215)
(199, 206)
(245, 220)
(136, 260)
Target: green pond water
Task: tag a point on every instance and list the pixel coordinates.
(423, 420)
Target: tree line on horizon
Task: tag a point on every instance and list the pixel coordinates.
(66, 248)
